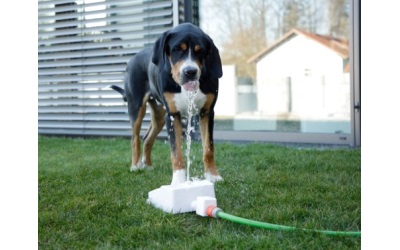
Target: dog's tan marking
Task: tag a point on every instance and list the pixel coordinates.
(156, 125)
(210, 98)
(169, 98)
(183, 46)
(136, 133)
(208, 145)
(176, 155)
(175, 70)
(197, 48)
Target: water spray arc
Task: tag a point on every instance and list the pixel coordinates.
(189, 128)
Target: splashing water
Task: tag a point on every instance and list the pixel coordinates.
(191, 111)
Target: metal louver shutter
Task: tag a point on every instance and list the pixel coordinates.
(84, 46)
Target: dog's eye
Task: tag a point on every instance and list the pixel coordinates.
(198, 50)
(178, 49)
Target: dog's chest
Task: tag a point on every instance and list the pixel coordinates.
(182, 101)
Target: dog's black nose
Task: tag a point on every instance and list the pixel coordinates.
(190, 72)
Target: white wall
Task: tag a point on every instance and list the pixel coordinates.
(226, 105)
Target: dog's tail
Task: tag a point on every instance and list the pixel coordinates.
(119, 90)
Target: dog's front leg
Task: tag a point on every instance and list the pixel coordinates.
(174, 127)
(207, 127)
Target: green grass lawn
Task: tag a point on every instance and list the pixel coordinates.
(88, 199)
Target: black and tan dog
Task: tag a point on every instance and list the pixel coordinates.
(183, 59)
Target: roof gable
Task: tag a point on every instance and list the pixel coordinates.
(339, 46)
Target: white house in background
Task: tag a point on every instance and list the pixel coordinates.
(304, 75)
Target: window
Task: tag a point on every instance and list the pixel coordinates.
(296, 59)
(84, 46)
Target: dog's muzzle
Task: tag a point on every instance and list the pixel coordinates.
(190, 78)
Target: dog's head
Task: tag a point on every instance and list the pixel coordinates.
(188, 54)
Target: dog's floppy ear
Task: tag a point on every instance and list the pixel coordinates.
(213, 60)
(160, 49)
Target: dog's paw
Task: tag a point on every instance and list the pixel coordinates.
(139, 166)
(213, 178)
(178, 177)
(136, 167)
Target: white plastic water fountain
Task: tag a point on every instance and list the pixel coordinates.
(185, 197)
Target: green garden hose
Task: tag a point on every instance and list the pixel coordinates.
(216, 212)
